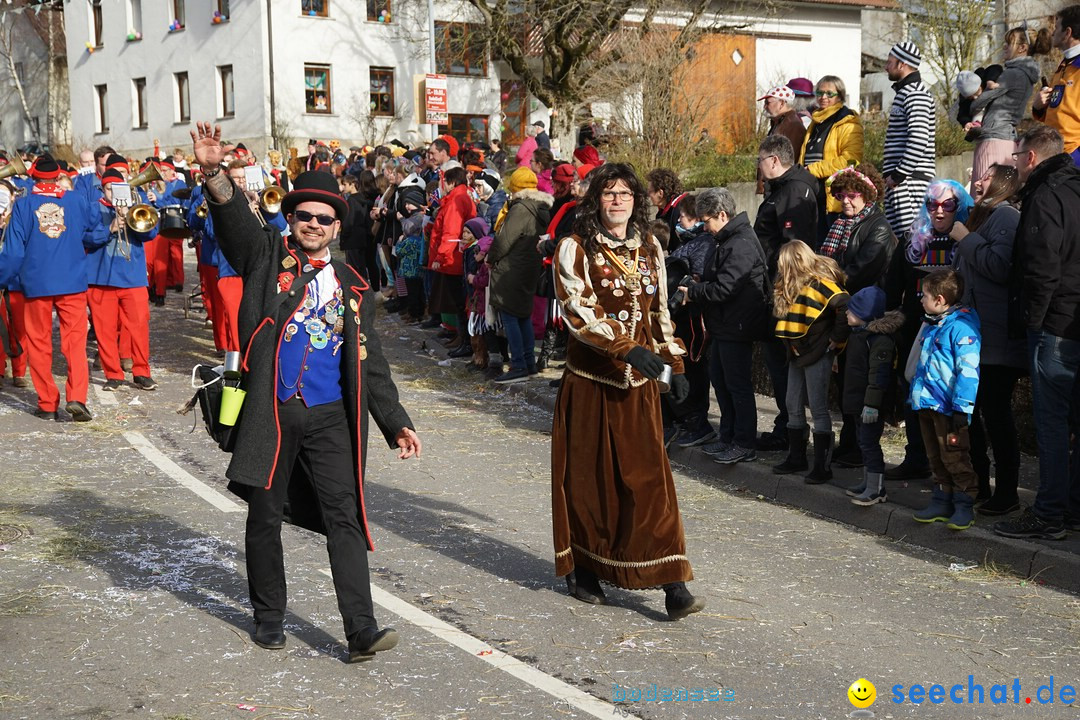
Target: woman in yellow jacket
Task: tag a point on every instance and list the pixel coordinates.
(833, 142)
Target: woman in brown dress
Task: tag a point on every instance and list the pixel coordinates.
(614, 510)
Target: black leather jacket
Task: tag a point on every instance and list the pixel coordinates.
(868, 252)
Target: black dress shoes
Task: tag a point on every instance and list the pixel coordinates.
(364, 644)
(45, 414)
(78, 411)
(270, 635)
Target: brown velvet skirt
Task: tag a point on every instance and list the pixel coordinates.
(613, 503)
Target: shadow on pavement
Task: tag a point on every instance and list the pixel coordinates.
(432, 524)
(144, 551)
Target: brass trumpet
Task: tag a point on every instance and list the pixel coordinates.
(270, 199)
(141, 218)
(202, 211)
(14, 167)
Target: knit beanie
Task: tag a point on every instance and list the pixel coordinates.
(868, 304)
(908, 53)
(111, 176)
(491, 178)
(44, 168)
(116, 162)
(478, 226)
(522, 179)
(967, 83)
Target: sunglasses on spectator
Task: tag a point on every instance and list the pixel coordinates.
(948, 205)
(842, 196)
(305, 216)
(826, 93)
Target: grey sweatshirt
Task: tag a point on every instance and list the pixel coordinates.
(1005, 105)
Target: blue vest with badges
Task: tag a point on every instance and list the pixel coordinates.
(309, 356)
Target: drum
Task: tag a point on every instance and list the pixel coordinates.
(173, 223)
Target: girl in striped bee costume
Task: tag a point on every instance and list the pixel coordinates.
(810, 305)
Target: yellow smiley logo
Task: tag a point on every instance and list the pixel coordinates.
(862, 693)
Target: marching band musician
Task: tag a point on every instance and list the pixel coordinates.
(156, 249)
(174, 273)
(205, 250)
(11, 303)
(117, 295)
(230, 285)
(44, 248)
(11, 314)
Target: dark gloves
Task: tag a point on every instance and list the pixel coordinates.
(680, 389)
(645, 362)
(958, 422)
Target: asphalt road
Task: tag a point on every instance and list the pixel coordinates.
(123, 591)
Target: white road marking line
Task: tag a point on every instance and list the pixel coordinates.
(20, 401)
(568, 694)
(180, 475)
(105, 398)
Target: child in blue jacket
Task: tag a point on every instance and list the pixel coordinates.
(943, 389)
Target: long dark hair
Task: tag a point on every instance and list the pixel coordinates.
(587, 224)
(366, 184)
(1003, 188)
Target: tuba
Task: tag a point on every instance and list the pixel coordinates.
(149, 175)
(270, 199)
(14, 167)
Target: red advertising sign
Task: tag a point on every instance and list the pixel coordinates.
(435, 111)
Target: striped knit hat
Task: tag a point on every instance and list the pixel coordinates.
(908, 53)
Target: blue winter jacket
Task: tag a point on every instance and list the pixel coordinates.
(45, 243)
(105, 261)
(947, 377)
(276, 220)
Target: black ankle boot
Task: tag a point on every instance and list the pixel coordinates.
(585, 586)
(822, 471)
(546, 348)
(679, 602)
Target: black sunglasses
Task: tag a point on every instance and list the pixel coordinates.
(305, 216)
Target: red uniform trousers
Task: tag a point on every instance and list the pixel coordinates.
(37, 313)
(157, 264)
(16, 331)
(116, 308)
(175, 272)
(212, 302)
(231, 289)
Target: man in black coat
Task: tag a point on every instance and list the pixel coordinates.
(313, 371)
(788, 212)
(735, 298)
(1044, 302)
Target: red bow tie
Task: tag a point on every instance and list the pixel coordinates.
(319, 264)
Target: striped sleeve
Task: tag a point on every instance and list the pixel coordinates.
(918, 153)
(910, 136)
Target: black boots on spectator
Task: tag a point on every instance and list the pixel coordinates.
(822, 472)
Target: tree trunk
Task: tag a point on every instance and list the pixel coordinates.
(6, 52)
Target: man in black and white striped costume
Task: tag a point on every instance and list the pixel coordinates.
(909, 139)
